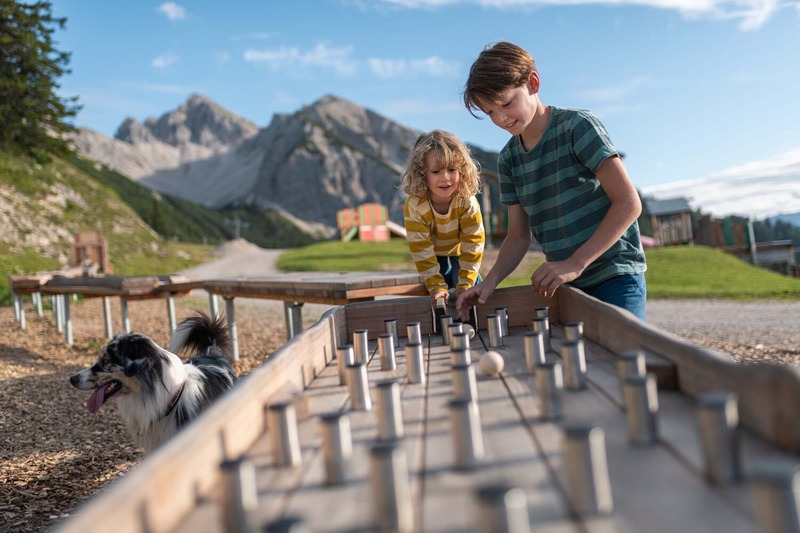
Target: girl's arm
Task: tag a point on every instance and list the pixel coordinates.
(420, 245)
(473, 239)
(625, 208)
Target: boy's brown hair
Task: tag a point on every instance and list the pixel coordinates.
(499, 67)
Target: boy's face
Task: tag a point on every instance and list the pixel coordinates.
(442, 182)
(515, 108)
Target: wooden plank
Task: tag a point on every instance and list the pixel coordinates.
(653, 489)
(512, 457)
(371, 315)
(767, 394)
(520, 303)
(157, 494)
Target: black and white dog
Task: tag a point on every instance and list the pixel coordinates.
(156, 392)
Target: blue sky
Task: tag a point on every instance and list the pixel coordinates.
(686, 88)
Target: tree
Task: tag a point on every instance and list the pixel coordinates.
(33, 118)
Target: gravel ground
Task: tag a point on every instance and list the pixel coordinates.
(54, 454)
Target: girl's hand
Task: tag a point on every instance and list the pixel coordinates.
(437, 294)
(473, 296)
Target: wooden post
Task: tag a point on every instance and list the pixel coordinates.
(126, 319)
(232, 332)
(107, 317)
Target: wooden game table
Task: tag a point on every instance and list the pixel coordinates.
(259, 459)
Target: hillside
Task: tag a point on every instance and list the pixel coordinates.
(42, 207)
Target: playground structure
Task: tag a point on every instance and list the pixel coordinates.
(368, 222)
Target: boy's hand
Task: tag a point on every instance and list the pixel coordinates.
(551, 275)
(469, 298)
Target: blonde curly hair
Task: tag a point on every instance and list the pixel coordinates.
(450, 152)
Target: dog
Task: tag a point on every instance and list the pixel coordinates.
(155, 391)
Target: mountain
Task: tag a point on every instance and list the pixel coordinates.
(760, 190)
(308, 164)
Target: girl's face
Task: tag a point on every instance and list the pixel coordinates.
(442, 182)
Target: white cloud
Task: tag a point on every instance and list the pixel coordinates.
(173, 11)
(165, 60)
(320, 56)
(433, 66)
(758, 189)
(752, 14)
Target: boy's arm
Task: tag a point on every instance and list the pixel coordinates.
(513, 249)
(625, 208)
(472, 239)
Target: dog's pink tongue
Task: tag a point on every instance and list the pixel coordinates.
(96, 399)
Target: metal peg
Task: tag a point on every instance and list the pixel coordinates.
(641, 408)
(459, 341)
(466, 432)
(240, 496)
(462, 356)
(588, 484)
(358, 385)
(444, 322)
(337, 446)
(502, 509)
(718, 419)
(413, 333)
(540, 324)
(414, 364)
(534, 350)
(386, 351)
(573, 331)
(388, 478)
(495, 328)
(465, 386)
(549, 388)
(574, 365)
(631, 363)
(360, 346)
(282, 426)
(389, 412)
(776, 492)
(344, 358)
(391, 328)
(502, 312)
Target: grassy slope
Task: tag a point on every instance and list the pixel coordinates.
(178, 219)
(134, 248)
(673, 272)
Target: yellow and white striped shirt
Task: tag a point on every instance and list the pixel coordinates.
(459, 232)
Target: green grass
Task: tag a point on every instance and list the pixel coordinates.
(353, 256)
(691, 272)
(697, 272)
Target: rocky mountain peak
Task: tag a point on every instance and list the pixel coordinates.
(198, 121)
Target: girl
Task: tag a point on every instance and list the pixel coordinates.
(442, 216)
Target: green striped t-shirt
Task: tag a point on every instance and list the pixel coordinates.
(556, 185)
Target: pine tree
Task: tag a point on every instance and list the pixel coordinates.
(33, 118)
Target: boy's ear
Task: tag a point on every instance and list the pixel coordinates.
(533, 82)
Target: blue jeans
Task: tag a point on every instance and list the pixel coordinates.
(628, 291)
(449, 267)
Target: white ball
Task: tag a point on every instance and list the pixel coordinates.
(491, 363)
(469, 330)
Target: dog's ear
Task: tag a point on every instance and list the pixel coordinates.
(131, 366)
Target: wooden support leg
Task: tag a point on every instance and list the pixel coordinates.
(126, 319)
(57, 314)
(293, 312)
(171, 314)
(212, 305)
(17, 302)
(107, 317)
(20, 305)
(234, 335)
(67, 320)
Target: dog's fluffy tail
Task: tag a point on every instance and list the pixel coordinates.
(197, 334)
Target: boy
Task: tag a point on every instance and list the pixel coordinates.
(562, 180)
